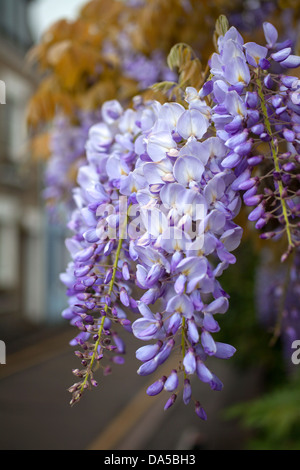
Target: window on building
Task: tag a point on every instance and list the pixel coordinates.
(13, 22)
(6, 119)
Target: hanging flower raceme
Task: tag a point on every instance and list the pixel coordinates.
(257, 115)
(187, 208)
(99, 279)
(162, 165)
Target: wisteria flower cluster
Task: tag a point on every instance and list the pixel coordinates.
(257, 117)
(156, 204)
(67, 146)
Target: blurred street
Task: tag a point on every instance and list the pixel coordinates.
(35, 412)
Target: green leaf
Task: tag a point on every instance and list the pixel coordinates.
(222, 25)
(179, 55)
(221, 28)
(163, 87)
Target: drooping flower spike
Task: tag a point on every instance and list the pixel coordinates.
(154, 157)
(257, 115)
(99, 277)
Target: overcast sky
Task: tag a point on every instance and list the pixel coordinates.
(44, 12)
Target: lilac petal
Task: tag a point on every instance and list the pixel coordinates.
(174, 323)
(80, 339)
(224, 351)
(289, 135)
(151, 296)
(189, 362)
(237, 71)
(200, 411)
(170, 402)
(280, 110)
(258, 129)
(254, 161)
(240, 179)
(264, 64)
(187, 392)
(196, 299)
(147, 368)
(288, 81)
(220, 90)
(244, 149)
(91, 236)
(237, 139)
(271, 33)
(216, 384)
(282, 54)
(145, 329)
(206, 89)
(181, 304)
(125, 272)
(159, 145)
(146, 353)
(210, 324)
(251, 99)
(154, 275)
(260, 223)
(234, 105)
(180, 284)
(253, 117)
(141, 275)
(68, 314)
(268, 81)
(192, 331)
(83, 271)
(253, 201)
(256, 213)
(165, 352)
(172, 382)
(254, 53)
(292, 62)
(234, 126)
(203, 372)
(176, 258)
(219, 305)
(208, 343)
(192, 123)
(215, 189)
(85, 255)
(124, 297)
(109, 247)
(145, 311)
(156, 387)
(224, 254)
(248, 184)
(232, 238)
(231, 161)
(188, 169)
(111, 111)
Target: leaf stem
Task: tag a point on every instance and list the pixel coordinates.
(110, 289)
(274, 151)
